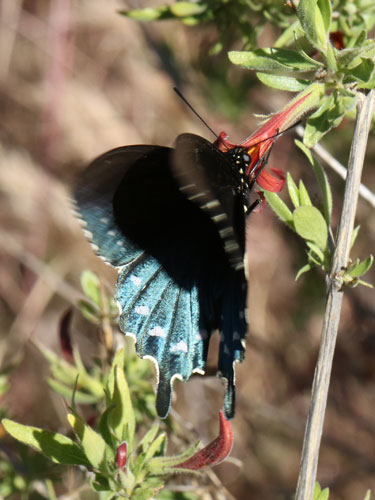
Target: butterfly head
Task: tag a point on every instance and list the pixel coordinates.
(248, 161)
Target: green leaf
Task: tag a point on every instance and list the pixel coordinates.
(271, 59)
(100, 483)
(148, 14)
(368, 495)
(361, 39)
(106, 433)
(311, 19)
(364, 70)
(89, 311)
(280, 208)
(328, 116)
(346, 57)
(154, 447)
(58, 448)
(289, 35)
(293, 190)
(122, 418)
(369, 85)
(92, 443)
(304, 195)
(149, 437)
(288, 83)
(360, 268)
(364, 283)
(67, 391)
(91, 287)
(191, 21)
(84, 379)
(118, 360)
(317, 491)
(331, 58)
(324, 494)
(322, 180)
(309, 223)
(354, 235)
(315, 254)
(127, 481)
(326, 11)
(185, 9)
(303, 270)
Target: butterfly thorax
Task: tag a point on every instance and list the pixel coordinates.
(240, 160)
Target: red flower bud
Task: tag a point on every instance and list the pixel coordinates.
(213, 453)
(121, 456)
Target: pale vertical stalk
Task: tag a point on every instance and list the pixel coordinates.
(314, 426)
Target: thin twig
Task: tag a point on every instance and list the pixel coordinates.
(11, 246)
(314, 426)
(331, 161)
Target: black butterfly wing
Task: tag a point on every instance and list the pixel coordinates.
(168, 252)
(208, 178)
(94, 194)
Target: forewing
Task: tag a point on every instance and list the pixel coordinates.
(94, 196)
(207, 177)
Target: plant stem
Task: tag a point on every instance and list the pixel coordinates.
(314, 426)
(331, 161)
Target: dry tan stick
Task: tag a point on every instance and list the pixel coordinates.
(314, 426)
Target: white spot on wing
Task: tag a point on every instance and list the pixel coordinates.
(111, 233)
(119, 306)
(224, 233)
(120, 243)
(134, 279)
(88, 234)
(105, 220)
(181, 346)
(186, 187)
(144, 310)
(219, 217)
(211, 204)
(195, 196)
(157, 331)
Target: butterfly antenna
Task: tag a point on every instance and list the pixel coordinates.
(194, 111)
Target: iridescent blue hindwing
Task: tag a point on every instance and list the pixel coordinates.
(164, 319)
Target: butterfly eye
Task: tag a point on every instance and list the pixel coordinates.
(246, 158)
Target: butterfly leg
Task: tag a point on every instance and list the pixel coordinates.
(253, 206)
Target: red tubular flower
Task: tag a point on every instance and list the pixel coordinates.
(121, 456)
(259, 145)
(215, 452)
(274, 183)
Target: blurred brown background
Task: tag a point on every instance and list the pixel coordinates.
(77, 79)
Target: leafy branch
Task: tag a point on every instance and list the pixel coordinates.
(314, 427)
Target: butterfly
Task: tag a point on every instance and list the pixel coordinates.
(173, 222)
